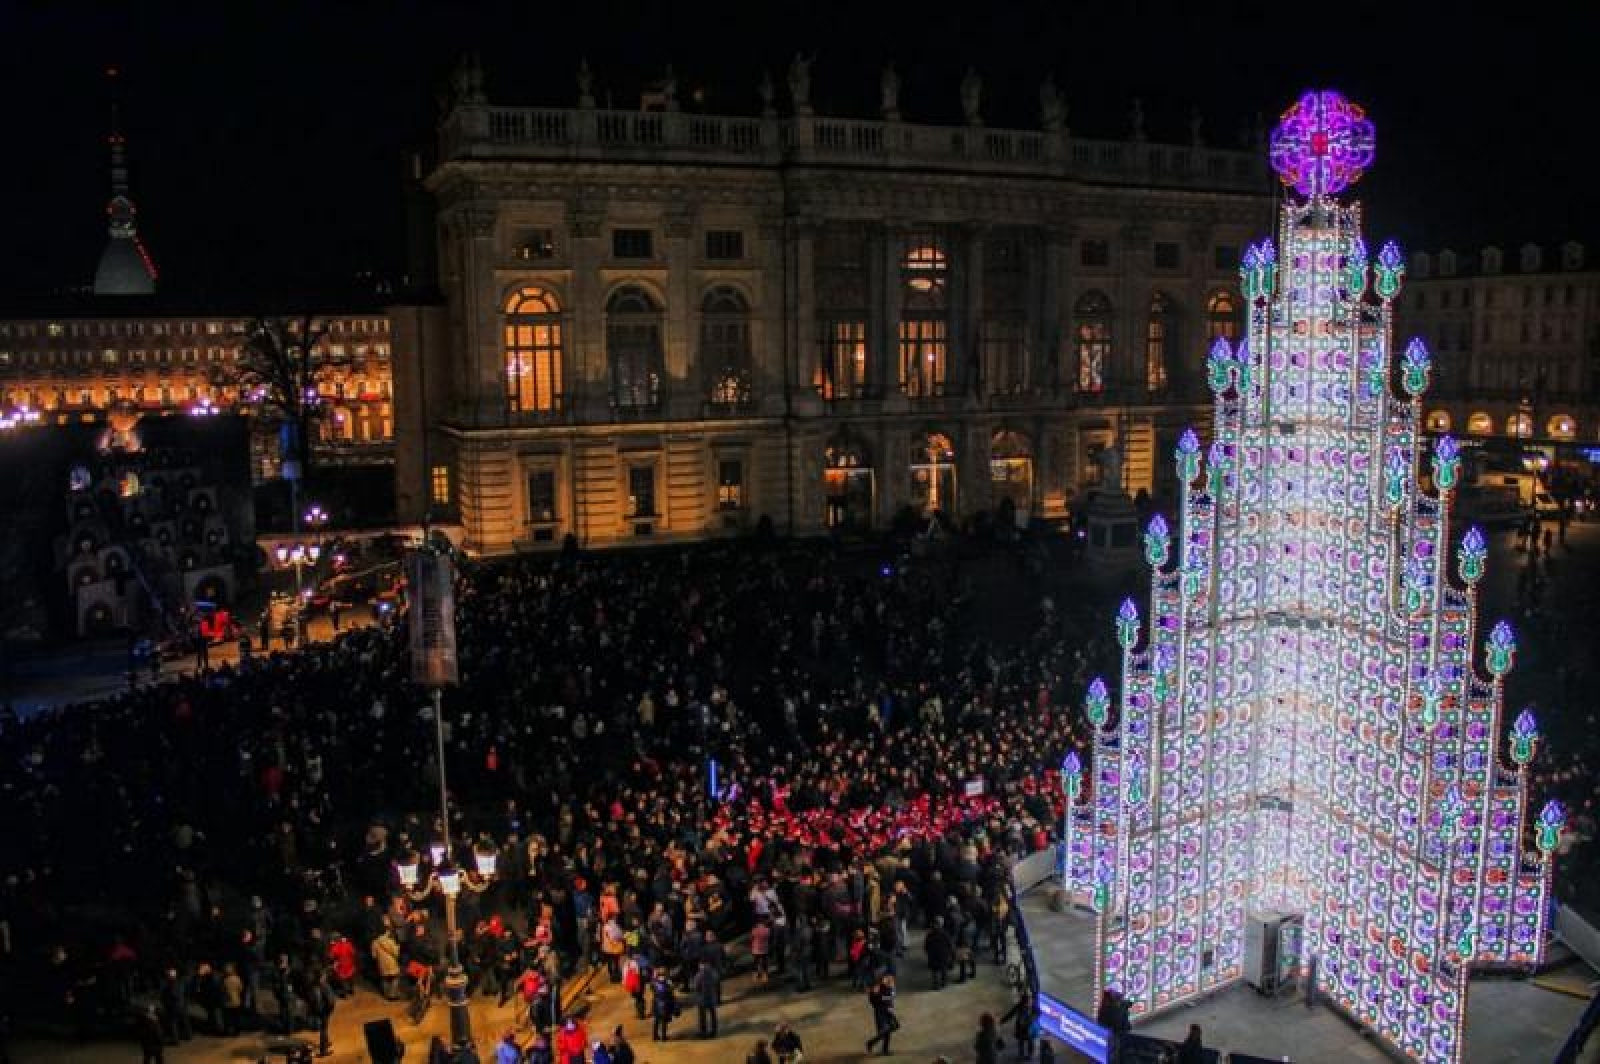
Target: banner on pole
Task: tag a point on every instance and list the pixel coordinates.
(430, 580)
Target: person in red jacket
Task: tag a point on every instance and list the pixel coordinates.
(572, 1044)
(342, 958)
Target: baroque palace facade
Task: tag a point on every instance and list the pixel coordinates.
(661, 325)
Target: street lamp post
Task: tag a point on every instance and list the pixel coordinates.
(299, 555)
(431, 591)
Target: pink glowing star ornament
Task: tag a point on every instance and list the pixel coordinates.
(1322, 144)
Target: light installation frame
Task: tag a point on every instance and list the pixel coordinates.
(1303, 727)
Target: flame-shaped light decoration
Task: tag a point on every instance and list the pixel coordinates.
(1499, 650)
(1417, 580)
(1097, 702)
(1241, 358)
(1071, 776)
(1524, 736)
(1135, 770)
(1552, 818)
(1450, 810)
(1446, 463)
(1355, 269)
(1416, 365)
(1474, 552)
(1128, 624)
(1188, 455)
(1219, 366)
(1157, 541)
(1396, 475)
(1390, 271)
(1216, 469)
(1432, 700)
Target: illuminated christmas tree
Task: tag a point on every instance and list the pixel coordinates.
(1302, 726)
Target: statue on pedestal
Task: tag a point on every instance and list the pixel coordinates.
(585, 84)
(1136, 119)
(1196, 136)
(1052, 108)
(800, 84)
(669, 89)
(765, 91)
(889, 90)
(972, 97)
(1110, 463)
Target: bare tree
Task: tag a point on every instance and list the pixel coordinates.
(280, 370)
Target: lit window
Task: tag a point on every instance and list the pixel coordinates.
(923, 326)
(642, 491)
(533, 351)
(537, 244)
(633, 347)
(730, 484)
(542, 496)
(1222, 317)
(844, 359)
(1092, 341)
(1161, 332)
(725, 346)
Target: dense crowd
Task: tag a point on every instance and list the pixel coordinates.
(836, 754)
(226, 846)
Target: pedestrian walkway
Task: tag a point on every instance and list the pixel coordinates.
(833, 1022)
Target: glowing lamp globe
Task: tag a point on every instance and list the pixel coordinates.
(407, 868)
(436, 852)
(1322, 144)
(484, 856)
(450, 882)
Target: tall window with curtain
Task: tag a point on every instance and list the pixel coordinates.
(1222, 318)
(633, 349)
(725, 347)
(1092, 341)
(924, 275)
(533, 351)
(1160, 336)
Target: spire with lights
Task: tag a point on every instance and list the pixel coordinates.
(1310, 733)
(126, 268)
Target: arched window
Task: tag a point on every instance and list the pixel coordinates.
(1092, 340)
(924, 272)
(1520, 424)
(1562, 427)
(633, 347)
(933, 472)
(1222, 318)
(533, 351)
(1160, 338)
(1480, 424)
(725, 346)
(1439, 421)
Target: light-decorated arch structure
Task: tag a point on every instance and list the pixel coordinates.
(1304, 723)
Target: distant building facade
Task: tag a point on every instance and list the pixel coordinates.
(85, 359)
(660, 325)
(1516, 339)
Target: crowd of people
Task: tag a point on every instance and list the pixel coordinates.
(834, 752)
(220, 852)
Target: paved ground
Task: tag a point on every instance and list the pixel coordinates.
(98, 668)
(833, 1022)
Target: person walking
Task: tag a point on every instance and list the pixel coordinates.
(151, 1042)
(1193, 1049)
(663, 1006)
(508, 1052)
(322, 1002)
(760, 947)
(621, 1048)
(1023, 1020)
(787, 1045)
(987, 1045)
(707, 987)
(386, 955)
(281, 984)
(232, 999)
(884, 1021)
(801, 954)
(940, 951)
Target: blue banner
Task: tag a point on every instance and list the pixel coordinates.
(1074, 1028)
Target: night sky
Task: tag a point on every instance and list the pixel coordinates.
(268, 141)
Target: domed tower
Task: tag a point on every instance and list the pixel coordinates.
(125, 266)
